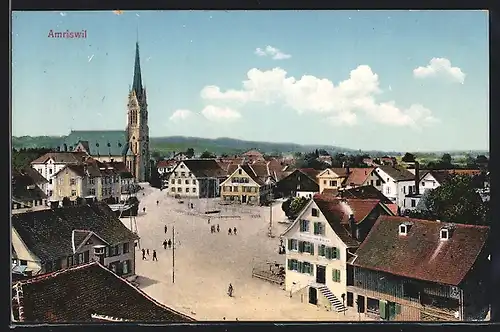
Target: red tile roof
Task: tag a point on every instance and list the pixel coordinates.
(343, 208)
(79, 293)
(358, 176)
(421, 254)
(166, 163)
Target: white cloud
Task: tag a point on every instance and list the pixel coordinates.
(179, 115)
(341, 103)
(440, 66)
(215, 113)
(273, 52)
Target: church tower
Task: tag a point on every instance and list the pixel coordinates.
(137, 128)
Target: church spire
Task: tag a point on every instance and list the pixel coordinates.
(137, 83)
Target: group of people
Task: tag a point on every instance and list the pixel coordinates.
(216, 229)
(146, 252)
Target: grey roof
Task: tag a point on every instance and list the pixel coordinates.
(100, 142)
(47, 233)
(24, 188)
(398, 173)
(204, 168)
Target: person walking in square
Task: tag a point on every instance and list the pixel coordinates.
(164, 244)
(234, 231)
(144, 209)
(157, 202)
(147, 252)
(209, 221)
(143, 254)
(230, 290)
(218, 228)
(165, 229)
(169, 243)
(154, 256)
(229, 231)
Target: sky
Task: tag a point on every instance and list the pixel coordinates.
(383, 80)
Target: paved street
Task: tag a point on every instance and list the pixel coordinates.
(206, 263)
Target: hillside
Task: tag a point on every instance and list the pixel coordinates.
(182, 143)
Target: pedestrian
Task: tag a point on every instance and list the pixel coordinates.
(211, 229)
(157, 202)
(147, 252)
(230, 290)
(143, 254)
(169, 243)
(144, 209)
(192, 206)
(165, 244)
(229, 231)
(234, 231)
(209, 221)
(165, 229)
(154, 256)
(218, 228)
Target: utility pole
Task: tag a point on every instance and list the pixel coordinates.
(173, 254)
(270, 234)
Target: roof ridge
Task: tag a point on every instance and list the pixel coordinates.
(46, 276)
(436, 222)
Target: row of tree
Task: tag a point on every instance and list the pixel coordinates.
(311, 160)
(446, 162)
(22, 158)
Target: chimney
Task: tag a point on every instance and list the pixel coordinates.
(352, 225)
(417, 178)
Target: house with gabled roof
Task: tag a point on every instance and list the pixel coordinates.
(50, 240)
(421, 270)
(332, 178)
(359, 177)
(196, 178)
(248, 184)
(253, 155)
(398, 183)
(302, 182)
(27, 193)
(84, 294)
(320, 241)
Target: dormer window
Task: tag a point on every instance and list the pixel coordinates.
(403, 229)
(445, 234)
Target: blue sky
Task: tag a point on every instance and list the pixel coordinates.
(387, 80)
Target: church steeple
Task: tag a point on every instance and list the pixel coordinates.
(137, 83)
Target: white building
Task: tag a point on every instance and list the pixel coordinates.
(316, 259)
(398, 182)
(196, 178)
(51, 163)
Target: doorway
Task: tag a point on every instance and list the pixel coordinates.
(320, 274)
(350, 299)
(361, 303)
(313, 295)
(243, 198)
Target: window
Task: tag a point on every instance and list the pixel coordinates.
(50, 181)
(307, 268)
(48, 267)
(402, 230)
(293, 244)
(371, 182)
(189, 174)
(72, 182)
(329, 252)
(126, 267)
(73, 193)
(179, 189)
(235, 189)
(304, 225)
(86, 257)
(324, 181)
(173, 189)
(319, 228)
(293, 265)
(50, 192)
(444, 234)
(304, 246)
(194, 190)
(194, 181)
(372, 305)
(413, 203)
(240, 171)
(182, 165)
(388, 190)
(69, 261)
(113, 251)
(333, 183)
(50, 170)
(173, 181)
(187, 190)
(92, 180)
(186, 182)
(377, 183)
(23, 262)
(404, 190)
(183, 174)
(179, 181)
(423, 184)
(126, 248)
(79, 258)
(314, 212)
(336, 275)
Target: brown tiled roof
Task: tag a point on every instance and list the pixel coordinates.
(330, 192)
(398, 173)
(61, 157)
(203, 168)
(365, 192)
(34, 175)
(165, 163)
(47, 233)
(252, 153)
(261, 169)
(311, 173)
(357, 176)
(421, 254)
(442, 175)
(75, 294)
(251, 173)
(24, 188)
(341, 172)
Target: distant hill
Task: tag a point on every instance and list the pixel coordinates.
(182, 143)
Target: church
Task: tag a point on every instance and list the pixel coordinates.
(131, 145)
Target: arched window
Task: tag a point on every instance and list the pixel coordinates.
(133, 117)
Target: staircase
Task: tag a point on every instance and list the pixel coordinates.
(334, 301)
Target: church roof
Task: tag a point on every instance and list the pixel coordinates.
(137, 82)
(100, 142)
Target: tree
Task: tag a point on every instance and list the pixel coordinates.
(156, 155)
(446, 159)
(285, 206)
(457, 201)
(293, 206)
(208, 155)
(189, 153)
(408, 158)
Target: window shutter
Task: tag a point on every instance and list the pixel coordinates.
(334, 253)
(398, 308)
(328, 252)
(290, 264)
(300, 267)
(316, 228)
(383, 311)
(311, 248)
(289, 244)
(334, 275)
(321, 250)
(301, 246)
(311, 269)
(338, 275)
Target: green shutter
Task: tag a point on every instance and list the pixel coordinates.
(382, 307)
(337, 253)
(334, 274)
(328, 252)
(311, 269)
(299, 267)
(301, 246)
(316, 228)
(311, 248)
(321, 250)
(290, 264)
(398, 308)
(289, 244)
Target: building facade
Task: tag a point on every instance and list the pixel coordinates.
(332, 178)
(300, 183)
(196, 178)
(247, 185)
